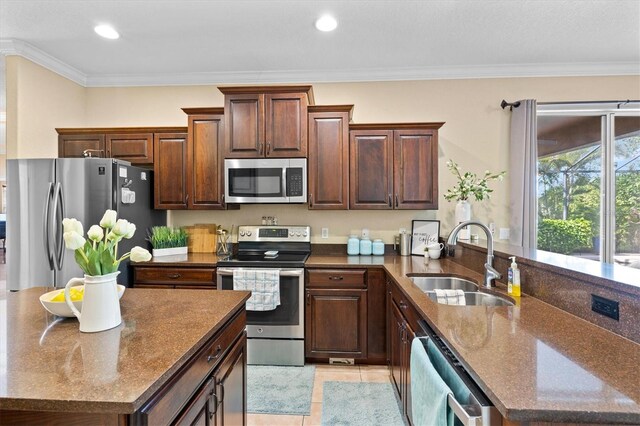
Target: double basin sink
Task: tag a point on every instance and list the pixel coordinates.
(472, 296)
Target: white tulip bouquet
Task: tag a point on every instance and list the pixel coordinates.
(98, 255)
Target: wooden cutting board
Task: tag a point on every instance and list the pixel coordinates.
(202, 238)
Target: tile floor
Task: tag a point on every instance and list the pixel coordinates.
(324, 372)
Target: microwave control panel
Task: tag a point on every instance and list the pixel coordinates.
(295, 182)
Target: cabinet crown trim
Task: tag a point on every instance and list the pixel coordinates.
(396, 126)
(203, 110)
(230, 90)
(111, 130)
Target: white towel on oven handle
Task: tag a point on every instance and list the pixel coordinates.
(264, 286)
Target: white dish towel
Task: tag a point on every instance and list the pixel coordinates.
(450, 297)
(264, 286)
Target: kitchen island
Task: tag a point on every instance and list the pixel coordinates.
(172, 347)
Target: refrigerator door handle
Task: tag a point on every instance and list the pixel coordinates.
(59, 241)
(46, 226)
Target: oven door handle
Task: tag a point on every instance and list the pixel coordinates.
(296, 273)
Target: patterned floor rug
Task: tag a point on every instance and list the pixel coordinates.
(359, 404)
(279, 390)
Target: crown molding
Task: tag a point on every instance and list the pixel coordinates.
(21, 48)
(9, 47)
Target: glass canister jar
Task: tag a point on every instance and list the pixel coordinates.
(353, 246)
(378, 247)
(365, 246)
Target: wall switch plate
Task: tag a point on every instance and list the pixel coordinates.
(365, 232)
(504, 233)
(607, 307)
(325, 232)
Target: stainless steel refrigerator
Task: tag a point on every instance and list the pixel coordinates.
(41, 192)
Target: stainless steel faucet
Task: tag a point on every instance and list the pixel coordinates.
(490, 273)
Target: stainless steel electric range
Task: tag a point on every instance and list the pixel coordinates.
(274, 337)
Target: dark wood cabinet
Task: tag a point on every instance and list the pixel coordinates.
(376, 317)
(266, 121)
(328, 160)
(402, 323)
(394, 166)
(152, 275)
(205, 164)
(336, 314)
(170, 188)
(371, 169)
(132, 144)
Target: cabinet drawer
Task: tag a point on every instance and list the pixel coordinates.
(336, 278)
(166, 404)
(404, 306)
(176, 276)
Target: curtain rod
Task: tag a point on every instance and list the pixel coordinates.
(511, 105)
(619, 102)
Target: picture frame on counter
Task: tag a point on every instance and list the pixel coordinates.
(423, 233)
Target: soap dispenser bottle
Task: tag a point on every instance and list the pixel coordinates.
(513, 287)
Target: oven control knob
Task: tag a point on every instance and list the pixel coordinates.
(291, 233)
(297, 234)
(304, 234)
(248, 233)
(260, 330)
(242, 233)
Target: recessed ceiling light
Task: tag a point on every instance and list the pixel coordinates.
(326, 23)
(107, 31)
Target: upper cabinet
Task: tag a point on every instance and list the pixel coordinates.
(394, 166)
(328, 162)
(133, 144)
(169, 168)
(266, 121)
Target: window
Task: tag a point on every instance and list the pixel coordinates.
(589, 181)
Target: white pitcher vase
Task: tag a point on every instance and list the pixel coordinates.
(463, 214)
(100, 303)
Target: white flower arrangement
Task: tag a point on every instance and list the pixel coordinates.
(98, 255)
(469, 184)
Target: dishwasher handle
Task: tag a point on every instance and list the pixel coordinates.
(462, 412)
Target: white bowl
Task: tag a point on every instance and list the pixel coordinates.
(60, 308)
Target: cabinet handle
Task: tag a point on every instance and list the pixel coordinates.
(335, 278)
(403, 305)
(390, 205)
(261, 148)
(308, 298)
(213, 403)
(396, 200)
(222, 200)
(310, 200)
(186, 199)
(174, 276)
(221, 392)
(216, 356)
(268, 147)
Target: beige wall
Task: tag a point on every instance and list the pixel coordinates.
(475, 134)
(38, 101)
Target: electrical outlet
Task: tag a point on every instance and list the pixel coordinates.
(504, 233)
(325, 232)
(365, 232)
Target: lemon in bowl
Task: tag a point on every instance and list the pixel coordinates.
(54, 302)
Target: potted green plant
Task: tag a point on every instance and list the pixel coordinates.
(167, 241)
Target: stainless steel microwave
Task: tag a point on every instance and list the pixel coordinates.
(265, 180)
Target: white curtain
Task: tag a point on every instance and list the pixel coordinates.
(523, 155)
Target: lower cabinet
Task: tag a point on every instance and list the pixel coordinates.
(154, 276)
(222, 398)
(336, 314)
(402, 323)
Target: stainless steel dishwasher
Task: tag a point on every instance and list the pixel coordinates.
(477, 410)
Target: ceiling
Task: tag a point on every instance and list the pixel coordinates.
(200, 42)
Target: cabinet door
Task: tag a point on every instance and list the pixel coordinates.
(415, 169)
(286, 125)
(201, 409)
(377, 317)
(205, 171)
(336, 323)
(231, 386)
(72, 146)
(371, 177)
(396, 347)
(136, 148)
(328, 160)
(170, 186)
(244, 125)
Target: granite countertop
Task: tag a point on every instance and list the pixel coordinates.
(49, 365)
(533, 361)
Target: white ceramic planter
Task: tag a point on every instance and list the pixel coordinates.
(463, 213)
(169, 251)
